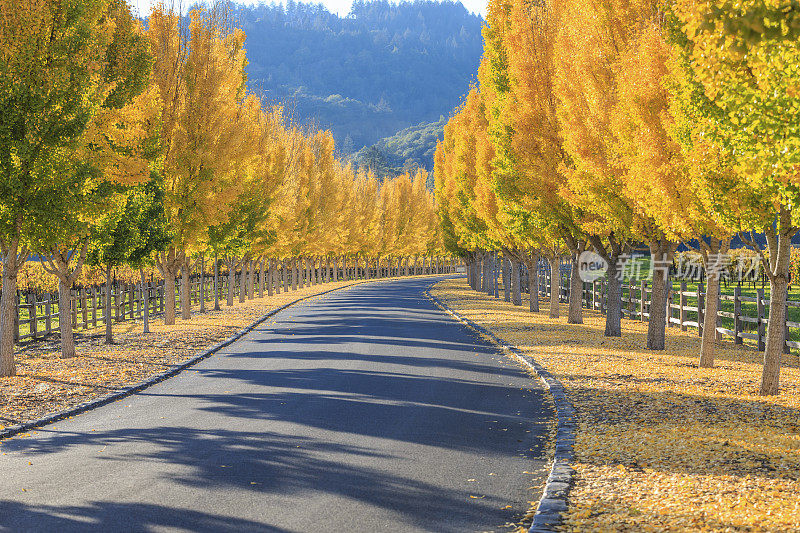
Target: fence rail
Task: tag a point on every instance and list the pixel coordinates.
(740, 318)
(39, 313)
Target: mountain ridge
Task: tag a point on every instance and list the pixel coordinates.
(368, 76)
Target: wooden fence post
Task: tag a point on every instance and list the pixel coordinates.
(631, 308)
(737, 315)
(48, 312)
(84, 308)
(132, 299)
(760, 328)
(670, 298)
(94, 307)
(116, 302)
(682, 304)
(642, 298)
(701, 307)
(32, 319)
(16, 316)
(604, 297)
(101, 305)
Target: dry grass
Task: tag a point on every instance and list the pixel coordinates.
(662, 445)
(46, 383)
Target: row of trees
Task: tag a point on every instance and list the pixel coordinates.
(120, 145)
(608, 124)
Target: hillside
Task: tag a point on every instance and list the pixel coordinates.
(407, 150)
(383, 68)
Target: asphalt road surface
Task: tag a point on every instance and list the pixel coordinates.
(367, 409)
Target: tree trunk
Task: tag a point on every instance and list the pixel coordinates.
(776, 334)
(555, 285)
(251, 282)
(169, 265)
(243, 280)
(575, 314)
(216, 283)
(169, 298)
(495, 275)
(202, 283)
(661, 257)
(533, 284)
(65, 318)
(506, 280)
(107, 314)
(8, 312)
(271, 277)
(13, 259)
(709, 342)
(58, 264)
(145, 302)
(231, 281)
(300, 271)
(614, 307)
(779, 247)
(516, 289)
(656, 327)
(487, 273)
(261, 279)
(186, 291)
(294, 273)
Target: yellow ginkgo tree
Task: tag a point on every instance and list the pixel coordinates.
(204, 129)
(517, 81)
(741, 84)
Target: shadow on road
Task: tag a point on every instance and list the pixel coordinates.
(111, 516)
(336, 374)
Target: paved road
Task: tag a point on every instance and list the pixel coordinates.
(363, 410)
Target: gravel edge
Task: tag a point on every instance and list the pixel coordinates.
(11, 431)
(556, 489)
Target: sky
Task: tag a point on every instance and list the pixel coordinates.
(340, 7)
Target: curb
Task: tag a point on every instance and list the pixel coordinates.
(158, 378)
(556, 489)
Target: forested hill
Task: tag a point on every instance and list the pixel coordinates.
(405, 151)
(366, 76)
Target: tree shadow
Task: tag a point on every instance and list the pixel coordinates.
(112, 516)
(247, 466)
(291, 427)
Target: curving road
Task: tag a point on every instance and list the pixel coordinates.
(367, 409)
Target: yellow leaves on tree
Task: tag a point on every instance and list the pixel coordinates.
(201, 85)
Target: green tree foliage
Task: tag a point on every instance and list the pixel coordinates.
(130, 234)
(67, 67)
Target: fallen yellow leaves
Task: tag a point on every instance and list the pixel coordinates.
(662, 445)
